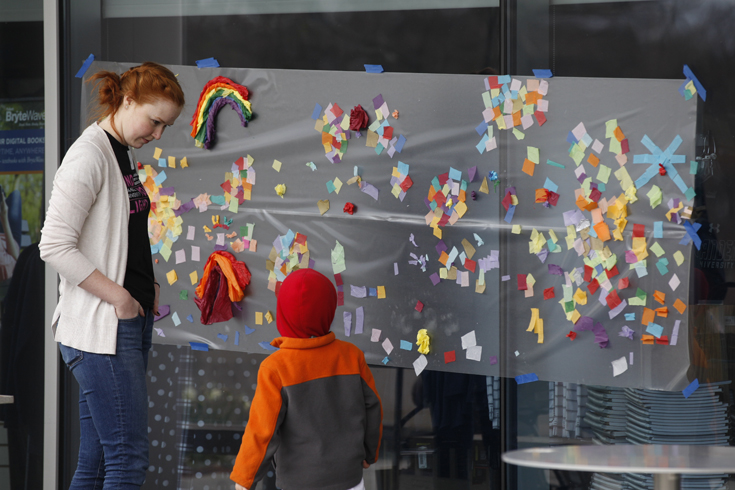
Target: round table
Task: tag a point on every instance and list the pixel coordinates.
(665, 462)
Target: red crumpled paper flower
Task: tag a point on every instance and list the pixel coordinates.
(223, 283)
(358, 118)
(349, 208)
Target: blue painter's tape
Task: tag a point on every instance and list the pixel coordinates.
(700, 89)
(542, 73)
(526, 378)
(374, 68)
(267, 346)
(687, 392)
(85, 66)
(207, 63)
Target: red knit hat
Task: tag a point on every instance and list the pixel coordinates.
(307, 302)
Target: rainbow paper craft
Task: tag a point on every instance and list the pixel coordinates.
(217, 93)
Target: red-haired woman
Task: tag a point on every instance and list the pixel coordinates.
(96, 237)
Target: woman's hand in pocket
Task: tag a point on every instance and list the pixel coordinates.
(128, 308)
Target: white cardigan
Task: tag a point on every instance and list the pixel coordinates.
(86, 228)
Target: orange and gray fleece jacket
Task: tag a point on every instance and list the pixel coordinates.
(316, 412)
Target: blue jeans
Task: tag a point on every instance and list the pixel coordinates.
(113, 409)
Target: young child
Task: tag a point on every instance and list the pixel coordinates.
(316, 412)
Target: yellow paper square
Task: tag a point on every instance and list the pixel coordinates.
(269, 316)
(172, 277)
(277, 165)
(516, 229)
(258, 317)
(194, 276)
(172, 162)
(580, 297)
(381, 292)
(575, 316)
(679, 257)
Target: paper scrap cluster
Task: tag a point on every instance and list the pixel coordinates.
(400, 181)
(446, 200)
(511, 104)
(290, 252)
(381, 134)
(334, 127)
(237, 186)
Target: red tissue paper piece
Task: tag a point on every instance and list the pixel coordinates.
(587, 273)
(572, 335)
(349, 208)
(507, 200)
(337, 110)
(613, 300)
(450, 356)
(223, 282)
(540, 117)
(522, 286)
(419, 306)
(549, 293)
(661, 169)
(553, 198)
(470, 265)
(623, 283)
(358, 118)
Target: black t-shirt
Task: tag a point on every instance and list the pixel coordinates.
(139, 269)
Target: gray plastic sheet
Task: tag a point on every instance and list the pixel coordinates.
(438, 115)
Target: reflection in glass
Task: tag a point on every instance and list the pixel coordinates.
(439, 431)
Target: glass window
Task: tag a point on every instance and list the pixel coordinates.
(22, 125)
(441, 430)
(641, 39)
(438, 429)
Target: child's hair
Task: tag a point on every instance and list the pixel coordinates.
(144, 84)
